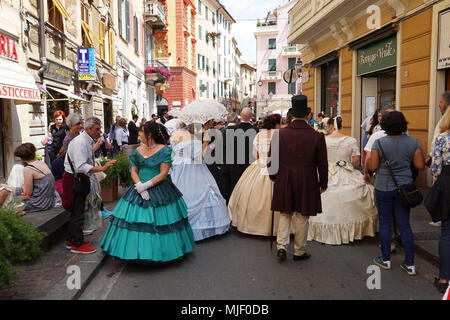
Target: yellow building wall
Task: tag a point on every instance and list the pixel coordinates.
(308, 88)
(415, 77)
(346, 73)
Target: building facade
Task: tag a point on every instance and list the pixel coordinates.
(360, 57)
(274, 57)
(247, 93)
(48, 42)
(207, 49)
(225, 80)
(176, 47)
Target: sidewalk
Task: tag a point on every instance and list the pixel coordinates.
(47, 277)
(426, 237)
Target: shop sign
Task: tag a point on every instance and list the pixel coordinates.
(58, 72)
(444, 40)
(377, 56)
(15, 93)
(86, 64)
(8, 47)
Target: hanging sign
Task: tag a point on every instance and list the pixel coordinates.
(86, 64)
(377, 56)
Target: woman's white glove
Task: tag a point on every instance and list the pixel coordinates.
(141, 187)
(145, 195)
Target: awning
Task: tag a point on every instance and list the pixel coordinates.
(17, 84)
(68, 94)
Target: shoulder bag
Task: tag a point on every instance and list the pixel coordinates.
(410, 195)
(82, 183)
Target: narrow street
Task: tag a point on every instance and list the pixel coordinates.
(236, 266)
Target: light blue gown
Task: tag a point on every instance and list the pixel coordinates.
(207, 209)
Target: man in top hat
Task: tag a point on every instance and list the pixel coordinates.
(298, 165)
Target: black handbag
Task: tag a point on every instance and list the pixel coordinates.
(82, 183)
(410, 195)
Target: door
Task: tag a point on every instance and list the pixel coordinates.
(107, 115)
(369, 101)
(447, 80)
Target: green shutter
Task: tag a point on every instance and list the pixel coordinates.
(291, 62)
(136, 34)
(272, 88)
(272, 64)
(127, 19)
(120, 16)
(207, 89)
(206, 12)
(203, 62)
(292, 88)
(199, 7)
(272, 43)
(199, 62)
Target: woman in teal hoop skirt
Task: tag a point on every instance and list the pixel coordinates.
(150, 222)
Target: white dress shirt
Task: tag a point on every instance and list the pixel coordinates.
(81, 154)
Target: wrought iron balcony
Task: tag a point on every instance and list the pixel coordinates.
(271, 75)
(155, 14)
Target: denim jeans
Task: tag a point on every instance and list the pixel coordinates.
(388, 202)
(444, 250)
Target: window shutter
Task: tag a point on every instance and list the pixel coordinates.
(127, 19)
(291, 62)
(136, 34)
(272, 64)
(199, 7)
(120, 16)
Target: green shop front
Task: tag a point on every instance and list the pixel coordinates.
(376, 71)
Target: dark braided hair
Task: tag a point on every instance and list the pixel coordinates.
(157, 131)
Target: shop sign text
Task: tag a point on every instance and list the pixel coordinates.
(8, 47)
(378, 56)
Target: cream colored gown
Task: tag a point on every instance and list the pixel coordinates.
(348, 206)
(250, 202)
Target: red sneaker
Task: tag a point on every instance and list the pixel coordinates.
(69, 244)
(83, 249)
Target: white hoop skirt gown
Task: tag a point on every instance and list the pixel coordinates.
(207, 209)
(348, 205)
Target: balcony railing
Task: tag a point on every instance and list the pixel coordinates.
(271, 75)
(291, 50)
(155, 14)
(158, 63)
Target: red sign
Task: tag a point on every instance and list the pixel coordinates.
(8, 47)
(15, 93)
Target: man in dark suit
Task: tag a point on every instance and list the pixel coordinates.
(299, 166)
(133, 131)
(242, 136)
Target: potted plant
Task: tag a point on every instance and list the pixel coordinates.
(120, 171)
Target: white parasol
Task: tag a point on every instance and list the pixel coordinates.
(202, 111)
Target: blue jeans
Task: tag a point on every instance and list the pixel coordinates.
(444, 250)
(387, 203)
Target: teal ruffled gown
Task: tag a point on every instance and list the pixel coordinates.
(149, 230)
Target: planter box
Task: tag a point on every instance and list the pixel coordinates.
(152, 76)
(110, 192)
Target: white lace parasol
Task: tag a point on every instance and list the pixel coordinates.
(202, 111)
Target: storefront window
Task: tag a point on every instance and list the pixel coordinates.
(330, 88)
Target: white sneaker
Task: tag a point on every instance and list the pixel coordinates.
(436, 224)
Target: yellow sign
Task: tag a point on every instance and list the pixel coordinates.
(86, 76)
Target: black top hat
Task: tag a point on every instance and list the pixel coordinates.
(299, 106)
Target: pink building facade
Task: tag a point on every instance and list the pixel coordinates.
(274, 56)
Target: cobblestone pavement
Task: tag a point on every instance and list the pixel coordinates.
(37, 278)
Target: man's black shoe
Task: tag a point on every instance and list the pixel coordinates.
(303, 257)
(281, 254)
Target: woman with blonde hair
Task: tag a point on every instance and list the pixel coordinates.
(437, 201)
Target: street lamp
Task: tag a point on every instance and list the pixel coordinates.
(298, 65)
